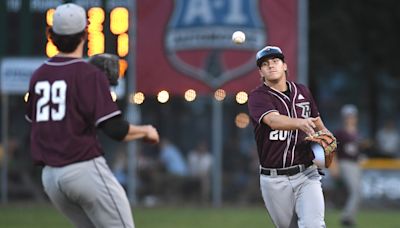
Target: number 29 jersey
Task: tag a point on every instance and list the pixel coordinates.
(280, 148)
(68, 99)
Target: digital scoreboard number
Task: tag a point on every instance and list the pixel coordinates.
(26, 20)
(118, 23)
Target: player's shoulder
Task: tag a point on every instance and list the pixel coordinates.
(82, 72)
(38, 71)
(260, 94)
(300, 87)
(89, 71)
(66, 64)
(260, 89)
(89, 68)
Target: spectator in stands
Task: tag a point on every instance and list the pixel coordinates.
(150, 176)
(172, 159)
(175, 177)
(388, 140)
(200, 163)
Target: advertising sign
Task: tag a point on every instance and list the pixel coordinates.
(186, 44)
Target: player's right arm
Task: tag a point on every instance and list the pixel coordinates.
(147, 132)
(263, 110)
(120, 130)
(277, 121)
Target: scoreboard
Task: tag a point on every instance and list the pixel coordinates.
(118, 24)
(24, 24)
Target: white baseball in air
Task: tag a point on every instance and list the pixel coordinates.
(238, 37)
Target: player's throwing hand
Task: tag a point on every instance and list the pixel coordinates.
(308, 125)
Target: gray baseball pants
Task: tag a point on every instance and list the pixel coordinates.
(350, 172)
(294, 201)
(88, 194)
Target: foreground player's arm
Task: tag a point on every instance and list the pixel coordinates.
(281, 122)
(119, 129)
(148, 132)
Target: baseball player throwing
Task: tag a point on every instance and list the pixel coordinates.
(283, 114)
(69, 99)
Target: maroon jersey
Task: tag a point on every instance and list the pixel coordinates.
(278, 148)
(68, 98)
(348, 145)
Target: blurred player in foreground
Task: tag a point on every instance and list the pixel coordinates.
(283, 114)
(69, 99)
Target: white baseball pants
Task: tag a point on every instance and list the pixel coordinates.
(294, 201)
(88, 194)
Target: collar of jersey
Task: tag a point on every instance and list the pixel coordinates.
(60, 61)
(279, 92)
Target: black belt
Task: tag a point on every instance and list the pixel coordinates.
(289, 171)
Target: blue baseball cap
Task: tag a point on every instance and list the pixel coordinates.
(269, 52)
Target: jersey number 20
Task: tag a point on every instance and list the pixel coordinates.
(50, 93)
(278, 135)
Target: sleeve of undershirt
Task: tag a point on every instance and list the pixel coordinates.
(115, 128)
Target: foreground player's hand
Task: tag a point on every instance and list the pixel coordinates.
(151, 135)
(307, 125)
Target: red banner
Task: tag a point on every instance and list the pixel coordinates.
(186, 44)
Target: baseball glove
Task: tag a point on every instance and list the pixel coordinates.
(327, 141)
(109, 64)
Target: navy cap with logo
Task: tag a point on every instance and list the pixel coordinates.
(269, 52)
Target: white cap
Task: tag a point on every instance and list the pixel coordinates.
(349, 109)
(69, 19)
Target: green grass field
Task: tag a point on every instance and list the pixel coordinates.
(43, 216)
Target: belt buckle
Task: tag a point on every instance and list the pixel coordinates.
(273, 172)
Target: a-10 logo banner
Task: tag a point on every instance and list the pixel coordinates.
(186, 44)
